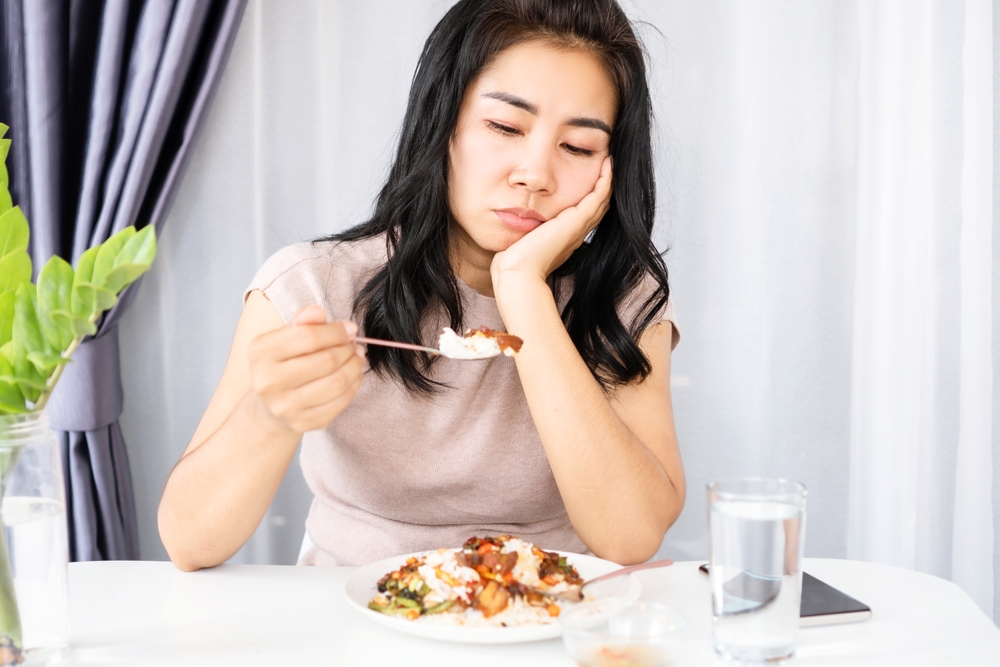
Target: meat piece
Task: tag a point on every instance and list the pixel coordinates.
(493, 599)
(506, 341)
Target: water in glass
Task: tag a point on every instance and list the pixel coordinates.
(33, 515)
(36, 535)
(756, 577)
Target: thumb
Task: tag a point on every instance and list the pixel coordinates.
(310, 315)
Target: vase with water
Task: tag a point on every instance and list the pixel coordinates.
(34, 547)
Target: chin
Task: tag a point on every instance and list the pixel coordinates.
(499, 241)
(506, 243)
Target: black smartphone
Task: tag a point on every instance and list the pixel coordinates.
(821, 604)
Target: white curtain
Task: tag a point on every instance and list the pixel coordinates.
(828, 194)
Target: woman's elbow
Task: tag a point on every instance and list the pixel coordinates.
(177, 548)
(641, 544)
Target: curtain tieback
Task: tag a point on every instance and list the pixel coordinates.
(89, 394)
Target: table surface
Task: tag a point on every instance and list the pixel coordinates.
(149, 613)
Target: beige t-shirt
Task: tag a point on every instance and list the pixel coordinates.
(396, 473)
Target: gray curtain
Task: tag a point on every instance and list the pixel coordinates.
(105, 100)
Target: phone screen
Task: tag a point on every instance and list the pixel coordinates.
(821, 604)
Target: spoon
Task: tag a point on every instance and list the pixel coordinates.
(392, 343)
(575, 594)
(418, 348)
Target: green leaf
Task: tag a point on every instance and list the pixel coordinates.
(55, 287)
(34, 383)
(102, 298)
(6, 316)
(13, 231)
(83, 300)
(122, 276)
(109, 250)
(26, 330)
(15, 268)
(140, 249)
(134, 259)
(5, 202)
(45, 362)
(26, 337)
(79, 325)
(4, 149)
(31, 388)
(13, 408)
(7, 350)
(85, 267)
(11, 400)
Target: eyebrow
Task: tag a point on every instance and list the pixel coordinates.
(521, 103)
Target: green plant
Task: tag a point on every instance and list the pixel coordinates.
(40, 328)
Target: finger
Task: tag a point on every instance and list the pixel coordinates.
(292, 373)
(594, 203)
(296, 340)
(602, 189)
(313, 314)
(319, 416)
(327, 388)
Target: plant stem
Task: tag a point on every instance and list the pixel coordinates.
(50, 384)
(10, 618)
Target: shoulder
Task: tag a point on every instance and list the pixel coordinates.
(636, 303)
(633, 305)
(328, 273)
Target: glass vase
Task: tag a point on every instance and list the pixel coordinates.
(34, 547)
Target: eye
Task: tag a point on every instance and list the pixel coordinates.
(578, 151)
(503, 129)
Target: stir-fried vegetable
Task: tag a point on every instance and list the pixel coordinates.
(487, 574)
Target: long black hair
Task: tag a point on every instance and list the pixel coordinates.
(413, 212)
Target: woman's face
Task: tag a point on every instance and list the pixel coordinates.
(531, 135)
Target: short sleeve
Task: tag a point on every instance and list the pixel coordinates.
(645, 289)
(291, 280)
(326, 273)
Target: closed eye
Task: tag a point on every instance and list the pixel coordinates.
(578, 151)
(503, 129)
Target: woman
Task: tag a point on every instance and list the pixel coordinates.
(518, 110)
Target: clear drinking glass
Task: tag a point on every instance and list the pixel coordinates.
(34, 529)
(757, 529)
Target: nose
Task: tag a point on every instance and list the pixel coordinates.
(534, 172)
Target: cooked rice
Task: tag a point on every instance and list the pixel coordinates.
(449, 578)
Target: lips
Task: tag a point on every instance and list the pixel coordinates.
(520, 219)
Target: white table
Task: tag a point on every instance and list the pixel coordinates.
(147, 613)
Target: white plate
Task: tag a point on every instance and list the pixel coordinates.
(362, 586)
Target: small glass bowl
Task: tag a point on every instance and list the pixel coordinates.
(614, 633)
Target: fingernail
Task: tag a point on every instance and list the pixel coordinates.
(351, 328)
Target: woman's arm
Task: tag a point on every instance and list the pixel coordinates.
(279, 382)
(615, 459)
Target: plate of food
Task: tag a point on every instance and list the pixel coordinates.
(491, 590)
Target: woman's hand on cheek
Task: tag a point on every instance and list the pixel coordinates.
(545, 248)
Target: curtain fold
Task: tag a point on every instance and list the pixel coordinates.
(112, 95)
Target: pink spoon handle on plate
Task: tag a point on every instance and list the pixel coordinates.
(632, 568)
